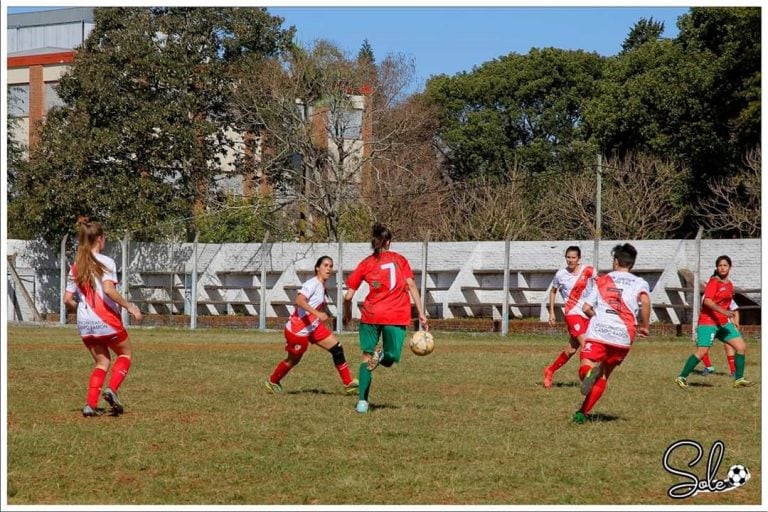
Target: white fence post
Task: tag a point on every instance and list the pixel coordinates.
(124, 288)
(63, 281)
(193, 285)
(505, 300)
(263, 301)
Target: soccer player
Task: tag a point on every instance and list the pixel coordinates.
(92, 280)
(613, 303)
(571, 282)
(306, 326)
(386, 311)
(716, 321)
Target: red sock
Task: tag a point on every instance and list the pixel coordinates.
(583, 371)
(706, 361)
(119, 371)
(560, 361)
(279, 372)
(594, 395)
(94, 386)
(343, 370)
(732, 363)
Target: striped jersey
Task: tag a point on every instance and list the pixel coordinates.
(97, 314)
(302, 322)
(571, 287)
(615, 297)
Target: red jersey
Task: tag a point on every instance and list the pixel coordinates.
(388, 301)
(722, 294)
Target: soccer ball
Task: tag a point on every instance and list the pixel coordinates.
(738, 475)
(422, 343)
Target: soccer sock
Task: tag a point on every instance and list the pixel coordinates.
(740, 360)
(732, 364)
(560, 361)
(706, 361)
(690, 364)
(583, 371)
(94, 386)
(119, 371)
(594, 395)
(365, 377)
(340, 362)
(279, 372)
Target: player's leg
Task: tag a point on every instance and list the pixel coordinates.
(101, 360)
(369, 338)
(392, 338)
(328, 341)
(295, 346)
(705, 335)
(732, 337)
(562, 358)
(730, 356)
(123, 350)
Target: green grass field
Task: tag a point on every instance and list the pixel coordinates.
(468, 424)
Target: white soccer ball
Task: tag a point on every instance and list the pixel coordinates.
(738, 475)
(422, 343)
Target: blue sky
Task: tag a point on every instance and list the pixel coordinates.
(454, 39)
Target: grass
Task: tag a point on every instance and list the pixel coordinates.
(468, 424)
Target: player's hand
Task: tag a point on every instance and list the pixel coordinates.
(551, 319)
(728, 313)
(322, 315)
(643, 332)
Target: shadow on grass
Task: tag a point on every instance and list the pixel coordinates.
(373, 406)
(700, 385)
(599, 417)
(572, 384)
(312, 391)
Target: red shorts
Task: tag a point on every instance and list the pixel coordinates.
(577, 325)
(600, 352)
(109, 339)
(296, 345)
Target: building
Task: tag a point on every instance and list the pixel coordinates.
(41, 45)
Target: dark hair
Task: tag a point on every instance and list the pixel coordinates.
(320, 261)
(380, 237)
(625, 254)
(718, 260)
(573, 248)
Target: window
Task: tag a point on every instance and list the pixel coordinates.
(18, 100)
(347, 124)
(52, 98)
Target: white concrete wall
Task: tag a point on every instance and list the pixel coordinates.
(450, 265)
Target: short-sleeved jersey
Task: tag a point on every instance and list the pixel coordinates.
(388, 301)
(302, 322)
(97, 314)
(571, 287)
(615, 297)
(721, 293)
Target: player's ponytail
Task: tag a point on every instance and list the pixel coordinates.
(87, 267)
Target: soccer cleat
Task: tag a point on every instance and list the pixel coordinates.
(709, 370)
(111, 398)
(548, 374)
(579, 417)
(375, 359)
(743, 383)
(362, 406)
(89, 411)
(681, 382)
(352, 387)
(595, 373)
(272, 387)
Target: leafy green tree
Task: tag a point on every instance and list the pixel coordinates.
(366, 53)
(242, 220)
(517, 111)
(146, 117)
(642, 32)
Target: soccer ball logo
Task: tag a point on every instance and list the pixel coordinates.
(422, 343)
(738, 475)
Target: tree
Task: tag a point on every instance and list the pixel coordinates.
(366, 53)
(146, 117)
(321, 127)
(733, 206)
(642, 32)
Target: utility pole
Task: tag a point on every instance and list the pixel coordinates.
(598, 212)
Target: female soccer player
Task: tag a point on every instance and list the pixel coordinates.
(571, 282)
(716, 322)
(92, 280)
(386, 311)
(306, 326)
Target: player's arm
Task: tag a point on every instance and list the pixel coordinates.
(347, 316)
(711, 304)
(303, 303)
(645, 315)
(417, 299)
(69, 301)
(111, 292)
(552, 293)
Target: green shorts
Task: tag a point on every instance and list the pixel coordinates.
(706, 334)
(392, 337)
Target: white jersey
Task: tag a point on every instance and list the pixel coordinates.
(572, 288)
(301, 322)
(615, 298)
(97, 314)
